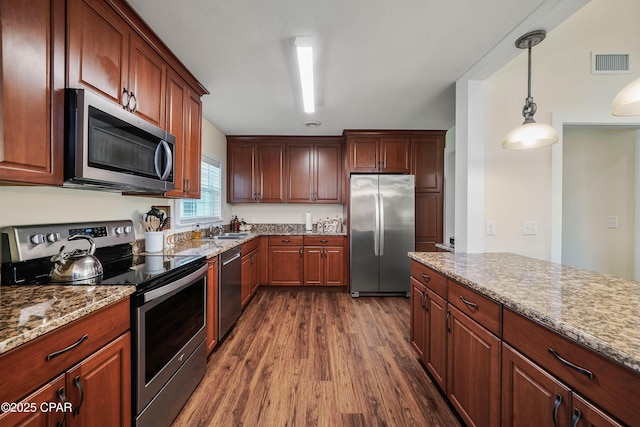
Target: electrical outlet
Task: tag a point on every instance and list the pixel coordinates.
(491, 228)
(529, 228)
(612, 220)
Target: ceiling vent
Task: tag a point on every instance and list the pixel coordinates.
(610, 63)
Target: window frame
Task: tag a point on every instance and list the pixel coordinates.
(190, 221)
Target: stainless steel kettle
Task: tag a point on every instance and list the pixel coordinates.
(76, 266)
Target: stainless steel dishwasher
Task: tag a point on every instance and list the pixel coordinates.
(230, 290)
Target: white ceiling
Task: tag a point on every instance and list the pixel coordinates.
(379, 64)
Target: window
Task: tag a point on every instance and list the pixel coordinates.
(208, 208)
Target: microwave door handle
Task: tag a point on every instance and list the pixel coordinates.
(156, 160)
(169, 158)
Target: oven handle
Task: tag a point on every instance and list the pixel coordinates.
(173, 286)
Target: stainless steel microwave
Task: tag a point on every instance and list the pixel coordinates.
(109, 148)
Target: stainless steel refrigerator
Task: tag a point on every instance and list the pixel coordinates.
(382, 230)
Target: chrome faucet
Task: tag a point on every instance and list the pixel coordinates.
(213, 228)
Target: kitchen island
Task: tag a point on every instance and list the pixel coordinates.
(578, 328)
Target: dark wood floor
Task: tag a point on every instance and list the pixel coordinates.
(305, 358)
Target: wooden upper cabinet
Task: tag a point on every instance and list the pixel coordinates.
(395, 153)
(256, 170)
(184, 121)
(147, 80)
(314, 171)
(106, 55)
(378, 152)
(427, 162)
(31, 91)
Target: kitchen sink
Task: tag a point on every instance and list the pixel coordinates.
(225, 236)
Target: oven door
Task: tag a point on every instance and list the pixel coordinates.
(170, 325)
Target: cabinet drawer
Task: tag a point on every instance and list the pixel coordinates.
(433, 280)
(611, 386)
(323, 241)
(26, 367)
(249, 246)
(480, 308)
(285, 240)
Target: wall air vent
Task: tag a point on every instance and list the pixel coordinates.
(610, 63)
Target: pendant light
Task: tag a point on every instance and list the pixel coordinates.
(530, 134)
(627, 102)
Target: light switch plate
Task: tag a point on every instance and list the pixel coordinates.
(529, 228)
(491, 228)
(612, 220)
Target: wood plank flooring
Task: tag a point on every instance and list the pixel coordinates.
(311, 358)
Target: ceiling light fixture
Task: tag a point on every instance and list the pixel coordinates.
(627, 101)
(305, 67)
(530, 134)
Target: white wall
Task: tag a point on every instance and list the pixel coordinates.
(517, 183)
(277, 213)
(599, 181)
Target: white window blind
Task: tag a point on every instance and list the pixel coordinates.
(208, 208)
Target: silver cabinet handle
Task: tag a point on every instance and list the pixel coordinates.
(469, 303)
(571, 365)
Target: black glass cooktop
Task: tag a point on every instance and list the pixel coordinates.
(143, 269)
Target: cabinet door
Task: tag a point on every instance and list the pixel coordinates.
(473, 371)
(271, 175)
(263, 260)
(313, 265)
(427, 163)
(193, 149)
(530, 396)
(418, 318)
(300, 158)
(585, 414)
(328, 178)
(253, 277)
(98, 48)
(177, 93)
(395, 154)
(285, 265)
(100, 386)
(50, 393)
(32, 120)
(363, 154)
(147, 80)
(212, 304)
(437, 346)
(428, 216)
(246, 279)
(241, 158)
(333, 270)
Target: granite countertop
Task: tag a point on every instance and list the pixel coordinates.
(28, 311)
(600, 311)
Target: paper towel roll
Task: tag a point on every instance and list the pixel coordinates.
(307, 222)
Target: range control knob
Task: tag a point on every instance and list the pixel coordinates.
(128, 229)
(119, 231)
(53, 237)
(36, 239)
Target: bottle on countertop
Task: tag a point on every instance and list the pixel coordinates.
(197, 232)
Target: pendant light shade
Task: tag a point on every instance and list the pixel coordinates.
(627, 102)
(530, 134)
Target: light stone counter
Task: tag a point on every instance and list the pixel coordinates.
(26, 312)
(600, 311)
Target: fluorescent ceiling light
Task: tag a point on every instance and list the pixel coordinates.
(305, 67)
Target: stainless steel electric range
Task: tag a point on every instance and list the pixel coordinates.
(167, 309)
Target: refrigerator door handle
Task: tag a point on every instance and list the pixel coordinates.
(381, 224)
(376, 229)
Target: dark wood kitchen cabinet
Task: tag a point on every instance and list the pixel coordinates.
(105, 54)
(184, 121)
(255, 170)
(378, 152)
(250, 252)
(323, 260)
(212, 304)
(314, 170)
(31, 91)
(419, 318)
(94, 375)
(285, 260)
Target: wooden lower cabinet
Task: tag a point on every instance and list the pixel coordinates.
(419, 319)
(97, 392)
(585, 414)
(285, 260)
(249, 275)
(530, 396)
(212, 305)
(436, 356)
(473, 370)
(323, 266)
